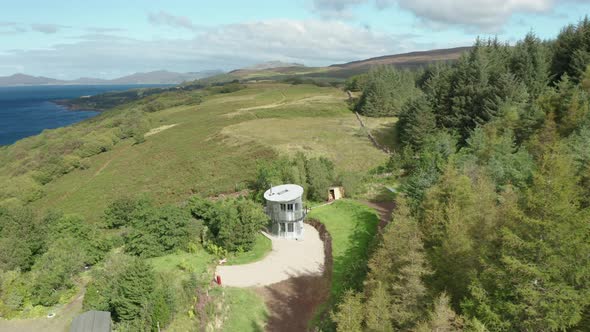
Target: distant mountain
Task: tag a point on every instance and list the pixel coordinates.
(163, 77)
(88, 80)
(22, 79)
(154, 77)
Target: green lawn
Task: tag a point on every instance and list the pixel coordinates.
(181, 264)
(261, 248)
(352, 227)
(246, 311)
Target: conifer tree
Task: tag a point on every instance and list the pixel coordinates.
(541, 280)
(134, 287)
(397, 267)
(442, 318)
(378, 309)
(416, 122)
(349, 314)
(529, 62)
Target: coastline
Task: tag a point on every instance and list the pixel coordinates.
(67, 103)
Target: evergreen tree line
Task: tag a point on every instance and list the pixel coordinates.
(492, 229)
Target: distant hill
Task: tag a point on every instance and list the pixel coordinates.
(407, 59)
(154, 77)
(280, 70)
(274, 64)
(266, 68)
(163, 77)
(22, 79)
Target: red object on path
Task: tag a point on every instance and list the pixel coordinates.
(219, 280)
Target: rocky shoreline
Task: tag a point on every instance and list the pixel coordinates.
(71, 106)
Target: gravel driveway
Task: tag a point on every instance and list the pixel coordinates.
(288, 258)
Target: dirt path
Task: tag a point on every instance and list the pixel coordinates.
(384, 209)
(288, 259)
(292, 303)
(97, 173)
(273, 105)
(160, 129)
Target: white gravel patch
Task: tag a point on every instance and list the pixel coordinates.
(288, 258)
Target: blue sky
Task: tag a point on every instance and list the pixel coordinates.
(70, 39)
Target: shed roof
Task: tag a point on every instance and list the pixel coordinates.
(92, 321)
(283, 193)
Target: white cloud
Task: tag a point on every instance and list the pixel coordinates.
(10, 28)
(104, 30)
(478, 15)
(167, 19)
(335, 8)
(47, 28)
(313, 42)
(486, 15)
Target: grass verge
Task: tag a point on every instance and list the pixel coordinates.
(246, 311)
(261, 248)
(352, 226)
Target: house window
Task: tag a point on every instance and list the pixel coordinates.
(290, 227)
(289, 207)
(296, 206)
(283, 207)
(282, 226)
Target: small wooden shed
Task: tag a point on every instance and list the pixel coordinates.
(335, 193)
(92, 321)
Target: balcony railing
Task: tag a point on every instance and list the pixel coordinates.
(287, 215)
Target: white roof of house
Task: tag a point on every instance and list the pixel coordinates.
(283, 193)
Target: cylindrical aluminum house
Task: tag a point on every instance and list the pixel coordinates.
(285, 208)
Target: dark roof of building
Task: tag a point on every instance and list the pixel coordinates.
(92, 321)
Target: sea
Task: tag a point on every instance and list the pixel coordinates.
(28, 110)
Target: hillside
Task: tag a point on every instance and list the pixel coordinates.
(163, 150)
(154, 77)
(273, 64)
(340, 72)
(202, 146)
(405, 60)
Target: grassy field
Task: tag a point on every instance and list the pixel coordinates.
(214, 146)
(246, 311)
(383, 129)
(262, 247)
(181, 264)
(339, 139)
(352, 226)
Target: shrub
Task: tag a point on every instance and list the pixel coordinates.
(95, 145)
(233, 223)
(52, 273)
(155, 231)
(23, 188)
